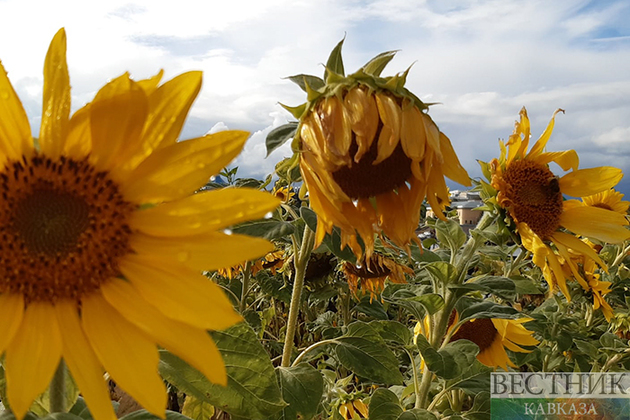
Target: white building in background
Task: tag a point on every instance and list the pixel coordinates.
(465, 203)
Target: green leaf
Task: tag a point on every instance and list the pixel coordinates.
(478, 382)
(431, 302)
(373, 309)
(279, 135)
(269, 229)
(469, 308)
(481, 407)
(384, 405)
(498, 286)
(377, 64)
(310, 218)
(450, 361)
(363, 351)
(423, 255)
(393, 331)
(302, 80)
(525, 286)
(441, 271)
(252, 390)
(450, 233)
(197, 409)
(417, 414)
(586, 348)
(145, 415)
(302, 388)
(335, 62)
(42, 403)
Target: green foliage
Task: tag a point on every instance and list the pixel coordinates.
(252, 390)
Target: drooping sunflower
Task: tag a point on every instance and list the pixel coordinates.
(104, 239)
(370, 275)
(533, 196)
(369, 154)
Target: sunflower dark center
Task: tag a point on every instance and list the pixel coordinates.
(363, 179)
(63, 228)
(603, 206)
(50, 222)
(480, 331)
(375, 270)
(534, 195)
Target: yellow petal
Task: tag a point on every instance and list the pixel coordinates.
(32, 356)
(168, 108)
(179, 293)
(11, 315)
(336, 126)
(433, 137)
(205, 211)
(452, 168)
(206, 252)
(567, 159)
(590, 181)
(180, 169)
(56, 104)
(540, 144)
(559, 275)
(412, 134)
(577, 245)
(595, 222)
(127, 354)
(150, 85)
(78, 142)
(390, 114)
(84, 366)
(15, 131)
(364, 117)
(193, 345)
(117, 117)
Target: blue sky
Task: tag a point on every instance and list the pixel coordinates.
(481, 60)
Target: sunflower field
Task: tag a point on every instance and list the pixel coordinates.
(142, 277)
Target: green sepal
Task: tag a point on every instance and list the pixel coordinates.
(296, 111)
(335, 61)
(376, 65)
(301, 80)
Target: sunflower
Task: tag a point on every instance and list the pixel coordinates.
(533, 197)
(371, 274)
(284, 194)
(273, 261)
(492, 336)
(369, 155)
(609, 200)
(104, 238)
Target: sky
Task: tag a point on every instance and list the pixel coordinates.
(481, 60)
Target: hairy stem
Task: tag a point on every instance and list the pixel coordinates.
(300, 260)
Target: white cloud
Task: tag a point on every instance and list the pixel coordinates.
(482, 59)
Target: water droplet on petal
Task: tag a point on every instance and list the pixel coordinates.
(269, 215)
(227, 231)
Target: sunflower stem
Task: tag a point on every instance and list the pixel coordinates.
(57, 391)
(300, 261)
